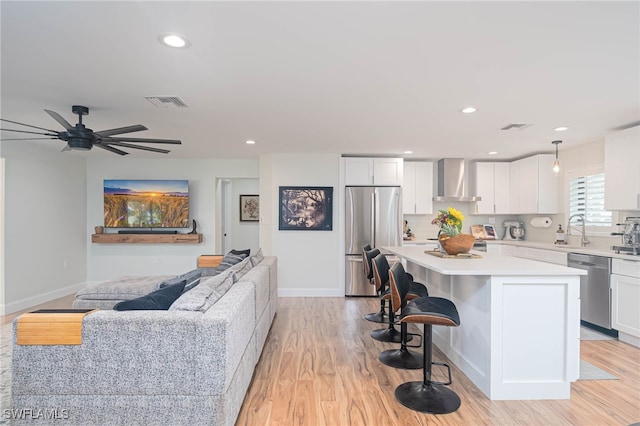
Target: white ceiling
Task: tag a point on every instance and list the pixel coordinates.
(349, 77)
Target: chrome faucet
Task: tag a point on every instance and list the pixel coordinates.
(583, 240)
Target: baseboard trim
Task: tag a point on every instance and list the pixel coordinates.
(310, 292)
(28, 302)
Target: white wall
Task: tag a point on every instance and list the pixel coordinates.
(244, 234)
(45, 226)
(107, 261)
(309, 262)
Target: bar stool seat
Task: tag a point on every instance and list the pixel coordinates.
(426, 396)
(368, 254)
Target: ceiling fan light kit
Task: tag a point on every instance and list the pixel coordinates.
(81, 138)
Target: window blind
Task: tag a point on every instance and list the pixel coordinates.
(586, 197)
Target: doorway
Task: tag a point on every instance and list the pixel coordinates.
(234, 233)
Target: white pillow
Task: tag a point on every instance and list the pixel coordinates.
(204, 295)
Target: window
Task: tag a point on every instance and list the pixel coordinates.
(586, 197)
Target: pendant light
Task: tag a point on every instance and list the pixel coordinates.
(556, 164)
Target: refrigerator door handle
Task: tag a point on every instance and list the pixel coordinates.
(373, 220)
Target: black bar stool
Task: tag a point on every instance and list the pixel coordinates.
(426, 396)
(367, 255)
(380, 267)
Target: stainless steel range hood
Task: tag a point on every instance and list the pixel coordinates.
(452, 181)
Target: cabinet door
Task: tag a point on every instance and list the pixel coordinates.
(528, 188)
(387, 171)
(424, 187)
(358, 171)
(501, 188)
(409, 188)
(485, 188)
(417, 188)
(548, 184)
(514, 188)
(625, 292)
(622, 174)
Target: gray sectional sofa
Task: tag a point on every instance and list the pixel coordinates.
(170, 367)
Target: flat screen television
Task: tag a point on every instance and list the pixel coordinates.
(146, 203)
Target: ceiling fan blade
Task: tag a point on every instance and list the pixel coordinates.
(120, 130)
(144, 148)
(32, 133)
(59, 119)
(28, 125)
(28, 139)
(110, 148)
(143, 140)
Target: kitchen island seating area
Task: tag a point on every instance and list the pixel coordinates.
(426, 396)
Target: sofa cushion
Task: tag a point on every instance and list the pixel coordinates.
(229, 260)
(157, 300)
(123, 288)
(205, 294)
(257, 258)
(240, 270)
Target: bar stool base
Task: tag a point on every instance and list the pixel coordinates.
(427, 398)
(401, 358)
(379, 317)
(389, 335)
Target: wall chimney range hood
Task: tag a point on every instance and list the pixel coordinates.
(452, 181)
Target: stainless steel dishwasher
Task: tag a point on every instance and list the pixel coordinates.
(595, 296)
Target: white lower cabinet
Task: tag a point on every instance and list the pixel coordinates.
(625, 296)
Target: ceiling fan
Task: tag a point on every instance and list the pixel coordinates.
(81, 138)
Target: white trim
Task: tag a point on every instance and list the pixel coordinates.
(29, 302)
(310, 292)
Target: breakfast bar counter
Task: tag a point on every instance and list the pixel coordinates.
(519, 334)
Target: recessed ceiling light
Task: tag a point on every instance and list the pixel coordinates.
(408, 152)
(493, 152)
(468, 110)
(250, 142)
(561, 129)
(174, 40)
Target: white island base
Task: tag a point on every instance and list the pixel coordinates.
(519, 334)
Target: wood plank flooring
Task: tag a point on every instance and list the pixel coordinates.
(320, 367)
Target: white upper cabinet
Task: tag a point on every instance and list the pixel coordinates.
(373, 171)
(417, 187)
(534, 186)
(492, 184)
(621, 170)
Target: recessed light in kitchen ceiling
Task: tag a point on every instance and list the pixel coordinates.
(561, 129)
(174, 40)
(468, 110)
(493, 152)
(408, 152)
(250, 142)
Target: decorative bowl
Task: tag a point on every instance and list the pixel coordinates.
(460, 243)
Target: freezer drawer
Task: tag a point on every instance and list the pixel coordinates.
(356, 283)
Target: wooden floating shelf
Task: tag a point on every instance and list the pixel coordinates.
(146, 238)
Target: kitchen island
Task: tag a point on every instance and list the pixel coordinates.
(519, 334)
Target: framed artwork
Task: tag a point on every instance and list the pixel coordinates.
(249, 208)
(306, 208)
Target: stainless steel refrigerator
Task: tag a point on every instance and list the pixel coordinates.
(373, 216)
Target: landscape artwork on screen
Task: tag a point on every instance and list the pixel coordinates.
(146, 203)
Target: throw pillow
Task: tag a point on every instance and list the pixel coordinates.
(246, 252)
(205, 294)
(240, 269)
(229, 260)
(157, 300)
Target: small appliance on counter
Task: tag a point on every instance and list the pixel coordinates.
(513, 230)
(630, 236)
(561, 238)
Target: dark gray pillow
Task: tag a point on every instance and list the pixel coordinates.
(229, 260)
(157, 300)
(246, 252)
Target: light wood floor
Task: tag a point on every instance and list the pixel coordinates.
(320, 367)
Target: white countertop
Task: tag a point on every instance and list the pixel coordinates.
(598, 251)
(490, 264)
